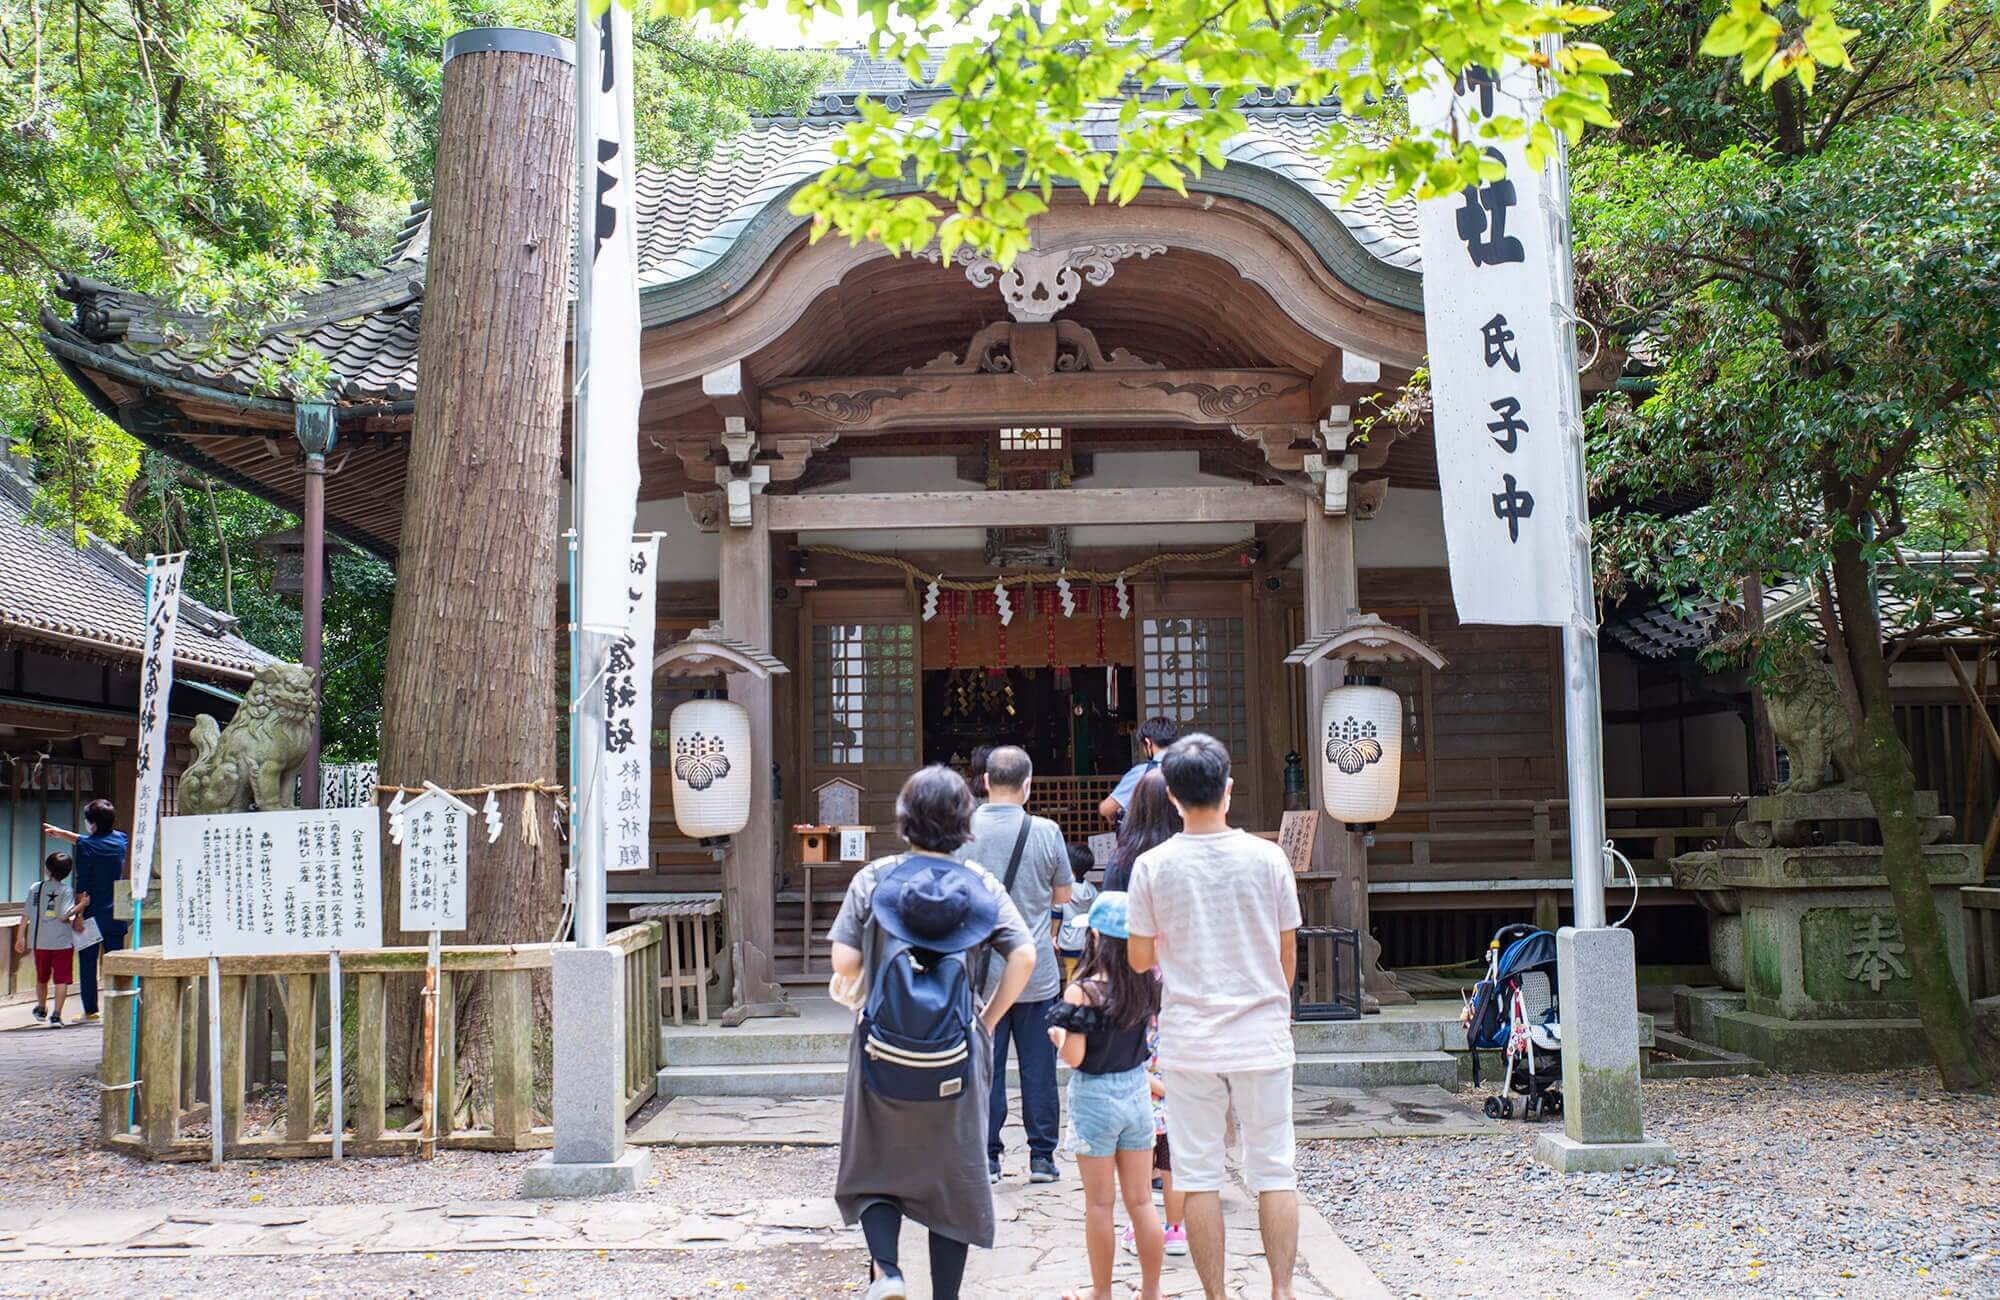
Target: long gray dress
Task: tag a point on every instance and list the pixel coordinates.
(927, 1157)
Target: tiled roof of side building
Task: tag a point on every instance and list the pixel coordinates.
(691, 223)
(58, 594)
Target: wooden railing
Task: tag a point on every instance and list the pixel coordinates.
(1982, 940)
(169, 1079)
(1510, 843)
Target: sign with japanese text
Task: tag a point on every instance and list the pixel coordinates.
(608, 278)
(433, 849)
(1496, 365)
(156, 684)
(240, 884)
(628, 719)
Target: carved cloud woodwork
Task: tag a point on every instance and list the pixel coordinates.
(1034, 352)
(1044, 281)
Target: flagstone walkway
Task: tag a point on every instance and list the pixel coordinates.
(1038, 1252)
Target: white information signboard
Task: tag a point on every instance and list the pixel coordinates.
(238, 884)
(434, 837)
(1496, 359)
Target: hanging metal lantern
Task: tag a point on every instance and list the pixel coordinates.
(1361, 751)
(709, 756)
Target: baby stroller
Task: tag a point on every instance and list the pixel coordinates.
(1514, 1011)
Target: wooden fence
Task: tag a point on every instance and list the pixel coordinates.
(169, 1078)
(1982, 940)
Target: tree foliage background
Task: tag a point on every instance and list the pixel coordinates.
(226, 156)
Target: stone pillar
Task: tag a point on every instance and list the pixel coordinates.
(1603, 1129)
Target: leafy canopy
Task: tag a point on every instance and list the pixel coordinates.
(984, 159)
(1816, 285)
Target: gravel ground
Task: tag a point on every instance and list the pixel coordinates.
(788, 1273)
(48, 1150)
(1874, 1186)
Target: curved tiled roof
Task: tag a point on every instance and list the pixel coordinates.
(702, 228)
(52, 591)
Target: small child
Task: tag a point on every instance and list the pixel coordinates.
(1174, 1202)
(1099, 1030)
(1072, 920)
(52, 917)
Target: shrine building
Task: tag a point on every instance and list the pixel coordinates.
(1164, 404)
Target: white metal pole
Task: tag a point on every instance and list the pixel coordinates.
(215, 1098)
(587, 651)
(334, 1103)
(1583, 717)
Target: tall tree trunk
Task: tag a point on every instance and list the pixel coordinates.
(1888, 776)
(469, 694)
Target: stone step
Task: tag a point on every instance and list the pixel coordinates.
(1376, 1069)
(826, 1078)
(807, 1046)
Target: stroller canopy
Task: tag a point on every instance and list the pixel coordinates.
(1536, 951)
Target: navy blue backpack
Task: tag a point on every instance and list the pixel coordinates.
(916, 1025)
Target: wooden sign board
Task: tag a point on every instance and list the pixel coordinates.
(854, 843)
(241, 884)
(434, 847)
(1296, 833)
(1101, 847)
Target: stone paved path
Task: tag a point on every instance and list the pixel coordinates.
(1422, 1111)
(1038, 1251)
(33, 1055)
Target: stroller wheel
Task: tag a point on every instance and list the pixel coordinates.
(1532, 1111)
(1506, 1108)
(1493, 1110)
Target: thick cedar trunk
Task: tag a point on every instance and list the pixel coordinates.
(469, 698)
(1889, 778)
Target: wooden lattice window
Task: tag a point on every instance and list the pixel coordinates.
(1192, 670)
(865, 693)
(1045, 438)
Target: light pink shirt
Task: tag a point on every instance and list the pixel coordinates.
(1215, 905)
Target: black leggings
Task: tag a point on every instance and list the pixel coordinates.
(882, 1224)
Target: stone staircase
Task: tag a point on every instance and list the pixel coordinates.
(807, 1056)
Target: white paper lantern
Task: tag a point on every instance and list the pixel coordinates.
(1361, 751)
(709, 755)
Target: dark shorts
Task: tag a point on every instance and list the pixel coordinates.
(53, 965)
(1162, 1155)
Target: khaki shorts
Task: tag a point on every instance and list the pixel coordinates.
(1201, 1103)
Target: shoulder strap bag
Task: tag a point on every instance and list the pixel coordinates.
(1006, 887)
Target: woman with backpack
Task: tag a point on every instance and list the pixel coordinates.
(913, 1119)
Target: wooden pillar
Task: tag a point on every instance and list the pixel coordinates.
(1333, 592)
(749, 863)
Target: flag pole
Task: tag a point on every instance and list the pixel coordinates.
(586, 649)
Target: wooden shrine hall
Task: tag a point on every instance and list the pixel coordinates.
(1164, 405)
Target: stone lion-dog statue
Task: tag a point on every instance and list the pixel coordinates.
(255, 760)
(1810, 721)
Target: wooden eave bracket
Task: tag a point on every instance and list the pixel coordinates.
(708, 652)
(1366, 639)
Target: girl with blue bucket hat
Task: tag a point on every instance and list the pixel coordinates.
(1099, 1029)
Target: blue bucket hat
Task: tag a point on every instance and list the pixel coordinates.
(935, 903)
(1107, 915)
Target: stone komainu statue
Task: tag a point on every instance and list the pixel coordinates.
(255, 760)
(1811, 722)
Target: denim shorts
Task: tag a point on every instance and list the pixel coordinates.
(1111, 1112)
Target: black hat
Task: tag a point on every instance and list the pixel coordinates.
(935, 903)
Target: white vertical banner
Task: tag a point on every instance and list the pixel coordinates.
(628, 719)
(607, 329)
(1497, 357)
(156, 685)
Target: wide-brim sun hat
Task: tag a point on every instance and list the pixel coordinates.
(1109, 915)
(935, 903)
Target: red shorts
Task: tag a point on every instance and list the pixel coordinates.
(52, 965)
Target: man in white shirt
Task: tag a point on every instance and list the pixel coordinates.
(1217, 911)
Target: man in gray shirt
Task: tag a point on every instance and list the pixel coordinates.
(1040, 883)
